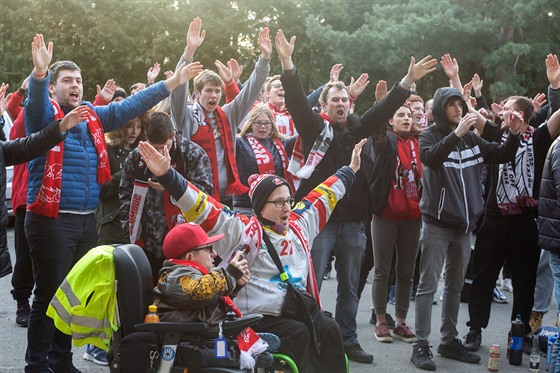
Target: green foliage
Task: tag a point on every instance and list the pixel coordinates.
(504, 41)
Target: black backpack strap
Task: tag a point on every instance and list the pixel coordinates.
(274, 255)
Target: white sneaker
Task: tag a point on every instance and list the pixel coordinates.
(506, 285)
(498, 296)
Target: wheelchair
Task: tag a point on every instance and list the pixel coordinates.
(152, 347)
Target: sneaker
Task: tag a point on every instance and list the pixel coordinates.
(72, 369)
(96, 355)
(356, 353)
(506, 285)
(456, 351)
(473, 339)
(422, 358)
(535, 320)
(498, 296)
(383, 334)
(404, 333)
(264, 360)
(327, 275)
(388, 318)
(272, 340)
(22, 315)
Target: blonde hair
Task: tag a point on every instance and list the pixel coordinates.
(210, 77)
(247, 128)
(115, 137)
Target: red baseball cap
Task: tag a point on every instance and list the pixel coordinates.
(186, 237)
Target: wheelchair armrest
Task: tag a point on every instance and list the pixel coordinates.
(231, 328)
(178, 327)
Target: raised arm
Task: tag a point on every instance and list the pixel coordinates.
(451, 69)
(553, 74)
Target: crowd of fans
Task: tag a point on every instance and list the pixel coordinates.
(271, 160)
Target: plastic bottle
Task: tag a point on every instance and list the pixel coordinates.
(516, 348)
(535, 360)
(152, 315)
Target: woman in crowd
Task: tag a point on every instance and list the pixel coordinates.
(260, 150)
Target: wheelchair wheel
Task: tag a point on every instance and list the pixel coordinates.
(283, 363)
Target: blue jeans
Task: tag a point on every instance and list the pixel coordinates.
(347, 241)
(544, 285)
(555, 268)
(55, 246)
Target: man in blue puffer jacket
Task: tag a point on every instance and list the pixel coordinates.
(64, 186)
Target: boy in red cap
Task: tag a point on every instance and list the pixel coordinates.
(291, 234)
(191, 289)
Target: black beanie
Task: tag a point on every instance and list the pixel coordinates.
(261, 188)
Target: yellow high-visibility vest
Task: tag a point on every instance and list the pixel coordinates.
(84, 305)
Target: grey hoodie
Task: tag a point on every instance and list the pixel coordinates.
(451, 167)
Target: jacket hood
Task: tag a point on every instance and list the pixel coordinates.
(441, 97)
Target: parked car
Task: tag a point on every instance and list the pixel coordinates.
(9, 172)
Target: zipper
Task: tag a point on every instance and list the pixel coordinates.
(441, 203)
(464, 191)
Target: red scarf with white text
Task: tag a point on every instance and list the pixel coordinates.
(265, 160)
(206, 138)
(47, 202)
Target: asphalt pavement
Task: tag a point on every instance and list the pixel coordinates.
(388, 357)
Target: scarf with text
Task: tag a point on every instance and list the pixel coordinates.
(206, 137)
(249, 342)
(265, 160)
(303, 169)
(47, 202)
(514, 190)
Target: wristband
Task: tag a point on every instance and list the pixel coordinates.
(40, 76)
(405, 86)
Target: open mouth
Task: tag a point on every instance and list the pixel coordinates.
(340, 112)
(75, 95)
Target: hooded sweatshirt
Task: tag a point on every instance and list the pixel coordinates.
(452, 195)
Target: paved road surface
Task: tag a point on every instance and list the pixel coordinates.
(394, 357)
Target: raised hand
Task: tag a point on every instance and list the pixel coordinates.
(195, 37)
(265, 45)
(477, 84)
(380, 90)
(74, 117)
(450, 66)
(158, 163)
(25, 83)
(183, 74)
(335, 72)
(285, 49)
(3, 98)
(514, 120)
(108, 90)
(553, 71)
(236, 69)
(168, 74)
(356, 159)
(357, 87)
(538, 101)
(42, 55)
(467, 89)
(497, 108)
(465, 124)
(153, 73)
(224, 71)
(417, 70)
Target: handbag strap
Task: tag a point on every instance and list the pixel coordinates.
(274, 255)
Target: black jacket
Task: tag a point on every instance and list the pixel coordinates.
(451, 166)
(549, 201)
(16, 152)
(309, 124)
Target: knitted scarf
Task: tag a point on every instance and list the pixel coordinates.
(265, 160)
(206, 137)
(249, 342)
(284, 122)
(515, 179)
(47, 202)
(303, 169)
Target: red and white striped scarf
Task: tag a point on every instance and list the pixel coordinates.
(265, 160)
(47, 202)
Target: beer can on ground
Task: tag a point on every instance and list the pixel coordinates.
(494, 358)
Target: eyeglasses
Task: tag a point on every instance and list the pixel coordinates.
(210, 249)
(281, 202)
(262, 124)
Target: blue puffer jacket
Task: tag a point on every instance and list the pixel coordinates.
(80, 189)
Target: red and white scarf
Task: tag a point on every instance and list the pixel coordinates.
(47, 202)
(205, 137)
(513, 196)
(249, 342)
(303, 169)
(265, 160)
(284, 122)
